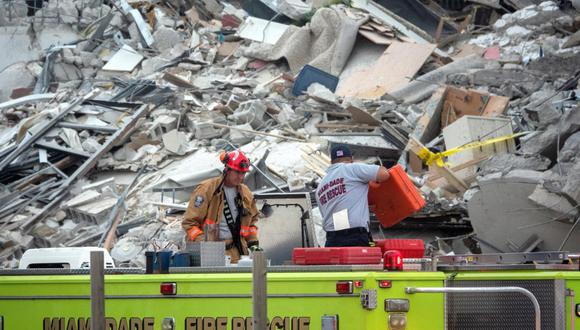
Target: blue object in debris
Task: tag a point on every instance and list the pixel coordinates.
(182, 259)
(157, 262)
(310, 75)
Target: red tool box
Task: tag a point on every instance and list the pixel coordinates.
(350, 255)
(394, 199)
(409, 248)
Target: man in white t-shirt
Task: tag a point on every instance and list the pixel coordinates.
(342, 198)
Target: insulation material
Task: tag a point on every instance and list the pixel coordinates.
(325, 43)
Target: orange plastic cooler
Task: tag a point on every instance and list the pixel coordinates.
(396, 198)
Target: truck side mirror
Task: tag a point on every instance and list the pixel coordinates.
(267, 210)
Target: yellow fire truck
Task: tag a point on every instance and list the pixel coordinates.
(500, 291)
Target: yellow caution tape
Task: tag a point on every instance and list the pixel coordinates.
(430, 157)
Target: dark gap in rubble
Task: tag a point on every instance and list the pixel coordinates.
(34, 6)
(417, 14)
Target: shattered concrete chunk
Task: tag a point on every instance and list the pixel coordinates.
(541, 111)
(250, 112)
(554, 202)
(240, 137)
(546, 142)
(421, 88)
(166, 38)
(13, 77)
(572, 187)
(68, 12)
(60, 215)
(151, 65)
(507, 162)
(319, 92)
(125, 153)
(571, 150)
(127, 249)
(91, 145)
(64, 72)
(498, 77)
(527, 176)
(518, 31)
(175, 142)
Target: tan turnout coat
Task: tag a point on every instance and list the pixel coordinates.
(206, 205)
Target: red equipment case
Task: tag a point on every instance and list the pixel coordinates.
(350, 255)
(409, 248)
(396, 198)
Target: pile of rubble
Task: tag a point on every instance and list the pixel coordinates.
(114, 112)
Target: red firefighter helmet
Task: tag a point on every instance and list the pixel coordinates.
(235, 160)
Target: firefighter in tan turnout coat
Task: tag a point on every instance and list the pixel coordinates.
(225, 208)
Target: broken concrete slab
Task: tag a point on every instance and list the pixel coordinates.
(528, 176)
(166, 38)
(64, 72)
(425, 85)
(507, 162)
(124, 153)
(573, 40)
(95, 212)
(541, 113)
(17, 46)
(500, 216)
(85, 197)
(68, 12)
(206, 130)
(546, 143)
(321, 93)
(250, 112)
(13, 77)
(91, 145)
(572, 187)
(554, 202)
(240, 135)
(530, 82)
(570, 152)
(176, 142)
(554, 66)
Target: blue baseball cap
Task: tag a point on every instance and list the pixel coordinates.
(339, 151)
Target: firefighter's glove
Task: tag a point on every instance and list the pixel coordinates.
(372, 244)
(254, 247)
